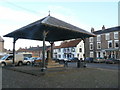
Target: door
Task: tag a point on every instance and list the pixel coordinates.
(9, 60)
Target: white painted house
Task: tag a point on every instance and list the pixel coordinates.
(69, 49)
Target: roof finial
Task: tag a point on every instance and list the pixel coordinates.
(49, 13)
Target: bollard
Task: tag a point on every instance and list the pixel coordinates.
(85, 65)
(78, 63)
(65, 64)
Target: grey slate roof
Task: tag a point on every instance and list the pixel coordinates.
(1, 39)
(37, 48)
(108, 30)
(58, 30)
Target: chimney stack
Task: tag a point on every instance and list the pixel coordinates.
(38, 46)
(103, 28)
(92, 29)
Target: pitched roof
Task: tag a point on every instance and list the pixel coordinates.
(32, 49)
(108, 30)
(72, 43)
(1, 39)
(58, 30)
(22, 50)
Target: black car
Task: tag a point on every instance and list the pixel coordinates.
(74, 59)
(89, 60)
(56, 60)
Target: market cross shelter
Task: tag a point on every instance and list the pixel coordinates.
(48, 29)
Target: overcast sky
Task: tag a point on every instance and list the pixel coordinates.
(15, 14)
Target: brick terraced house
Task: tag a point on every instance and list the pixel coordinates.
(105, 45)
(35, 51)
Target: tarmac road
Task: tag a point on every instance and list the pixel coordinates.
(104, 66)
(97, 65)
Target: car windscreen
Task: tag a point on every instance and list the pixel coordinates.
(4, 57)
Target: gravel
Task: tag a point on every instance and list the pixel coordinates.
(31, 77)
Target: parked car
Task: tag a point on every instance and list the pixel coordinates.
(66, 59)
(56, 60)
(112, 61)
(61, 61)
(8, 59)
(89, 60)
(99, 60)
(27, 61)
(36, 61)
(75, 59)
(33, 58)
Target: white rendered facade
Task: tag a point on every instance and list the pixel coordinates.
(70, 52)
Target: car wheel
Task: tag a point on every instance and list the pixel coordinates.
(28, 63)
(3, 64)
(20, 64)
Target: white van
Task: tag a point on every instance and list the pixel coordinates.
(8, 59)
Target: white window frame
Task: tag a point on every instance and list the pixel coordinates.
(97, 45)
(110, 42)
(115, 33)
(72, 49)
(115, 43)
(59, 55)
(107, 36)
(91, 54)
(91, 39)
(98, 53)
(90, 46)
(98, 37)
(59, 50)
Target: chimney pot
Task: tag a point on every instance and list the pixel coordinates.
(103, 27)
(92, 29)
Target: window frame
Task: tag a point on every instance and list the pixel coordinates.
(109, 43)
(80, 49)
(90, 46)
(98, 37)
(115, 35)
(115, 43)
(97, 45)
(91, 39)
(107, 36)
(91, 54)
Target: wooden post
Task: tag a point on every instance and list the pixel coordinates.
(43, 59)
(52, 43)
(14, 41)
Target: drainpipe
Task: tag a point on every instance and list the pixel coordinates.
(84, 48)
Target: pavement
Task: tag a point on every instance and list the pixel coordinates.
(63, 77)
